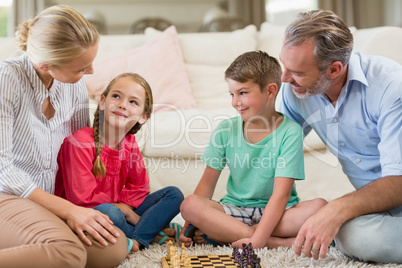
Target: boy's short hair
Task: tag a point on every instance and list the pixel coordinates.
(256, 66)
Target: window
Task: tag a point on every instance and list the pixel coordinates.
(282, 12)
(5, 9)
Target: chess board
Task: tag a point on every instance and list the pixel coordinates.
(200, 261)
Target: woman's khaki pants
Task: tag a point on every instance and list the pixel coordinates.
(32, 236)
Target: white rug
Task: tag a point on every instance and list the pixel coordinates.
(282, 257)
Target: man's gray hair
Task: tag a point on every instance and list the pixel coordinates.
(332, 37)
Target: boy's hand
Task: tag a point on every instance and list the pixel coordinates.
(187, 241)
(254, 242)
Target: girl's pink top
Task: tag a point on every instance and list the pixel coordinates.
(126, 180)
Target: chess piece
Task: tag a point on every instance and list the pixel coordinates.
(236, 254)
(187, 262)
(175, 261)
(183, 253)
(170, 245)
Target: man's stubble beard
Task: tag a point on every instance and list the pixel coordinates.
(320, 86)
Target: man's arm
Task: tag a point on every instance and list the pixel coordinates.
(321, 228)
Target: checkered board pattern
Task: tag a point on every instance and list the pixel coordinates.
(200, 261)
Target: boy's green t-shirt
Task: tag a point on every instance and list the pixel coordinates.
(254, 167)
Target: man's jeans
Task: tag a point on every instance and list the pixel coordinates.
(157, 210)
(373, 238)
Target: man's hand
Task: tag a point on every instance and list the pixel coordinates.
(317, 233)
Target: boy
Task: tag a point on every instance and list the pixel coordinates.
(263, 150)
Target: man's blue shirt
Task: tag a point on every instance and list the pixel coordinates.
(364, 129)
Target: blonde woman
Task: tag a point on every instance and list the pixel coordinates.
(43, 99)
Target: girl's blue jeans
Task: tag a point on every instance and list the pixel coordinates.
(157, 210)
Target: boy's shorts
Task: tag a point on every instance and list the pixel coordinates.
(248, 215)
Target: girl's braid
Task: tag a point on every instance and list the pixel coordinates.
(99, 169)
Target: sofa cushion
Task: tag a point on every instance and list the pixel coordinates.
(208, 86)
(383, 41)
(8, 48)
(112, 45)
(182, 134)
(207, 55)
(270, 38)
(159, 61)
(214, 49)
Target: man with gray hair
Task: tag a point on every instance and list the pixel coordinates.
(353, 102)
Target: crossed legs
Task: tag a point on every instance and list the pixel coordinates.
(210, 218)
(373, 238)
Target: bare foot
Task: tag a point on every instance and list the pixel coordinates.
(198, 237)
(171, 236)
(136, 246)
(275, 242)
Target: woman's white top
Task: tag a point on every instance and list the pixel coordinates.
(29, 142)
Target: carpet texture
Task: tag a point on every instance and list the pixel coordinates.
(282, 257)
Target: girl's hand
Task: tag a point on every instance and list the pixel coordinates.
(183, 239)
(131, 216)
(86, 220)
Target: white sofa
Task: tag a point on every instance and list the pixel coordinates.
(176, 135)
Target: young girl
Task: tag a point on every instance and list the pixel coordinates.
(102, 168)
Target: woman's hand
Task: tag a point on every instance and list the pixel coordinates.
(86, 220)
(81, 220)
(131, 216)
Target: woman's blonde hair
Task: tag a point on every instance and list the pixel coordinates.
(56, 35)
(99, 169)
